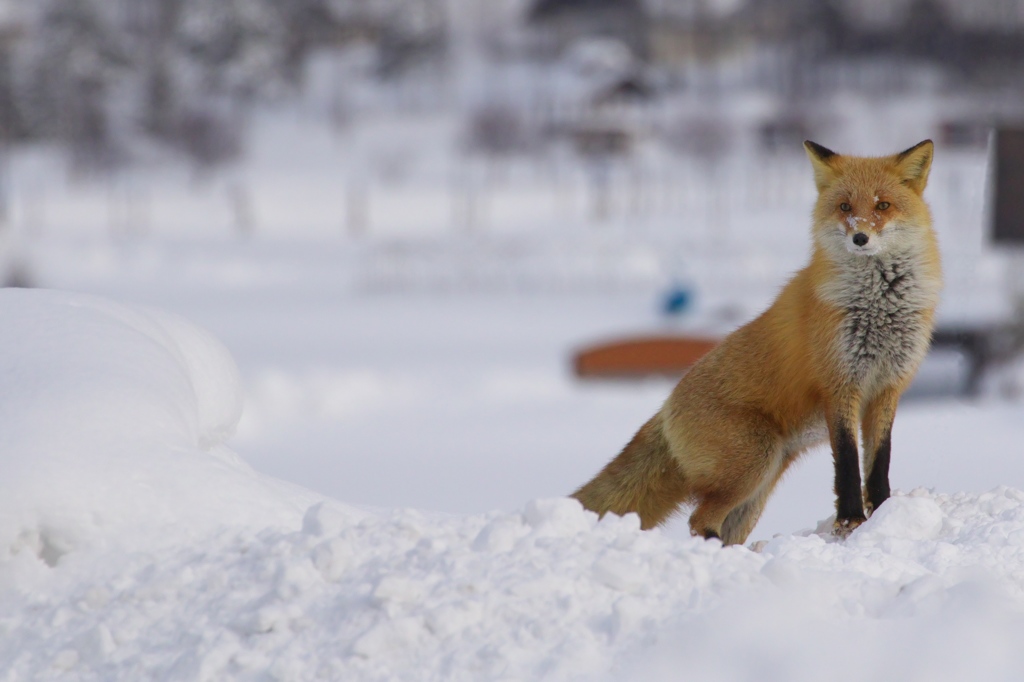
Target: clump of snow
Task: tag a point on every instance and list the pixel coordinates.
(916, 518)
(135, 545)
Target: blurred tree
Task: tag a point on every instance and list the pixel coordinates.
(97, 74)
(12, 122)
(71, 63)
(308, 24)
(154, 22)
(498, 129)
(100, 75)
(567, 21)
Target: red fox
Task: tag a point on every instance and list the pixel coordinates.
(834, 351)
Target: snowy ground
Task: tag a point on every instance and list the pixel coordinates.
(136, 545)
(390, 504)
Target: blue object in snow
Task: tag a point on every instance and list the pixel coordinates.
(677, 300)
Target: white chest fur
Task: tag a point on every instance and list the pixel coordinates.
(886, 327)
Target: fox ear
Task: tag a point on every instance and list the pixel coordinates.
(914, 164)
(821, 158)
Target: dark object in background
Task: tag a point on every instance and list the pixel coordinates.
(602, 141)
(783, 134)
(498, 129)
(1008, 188)
(632, 88)
(18, 275)
(964, 133)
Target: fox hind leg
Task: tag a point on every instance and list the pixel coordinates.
(725, 516)
(741, 491)
(741, 520)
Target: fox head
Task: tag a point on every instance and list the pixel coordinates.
(870, 206)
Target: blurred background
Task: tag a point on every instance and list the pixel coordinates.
(405, 217)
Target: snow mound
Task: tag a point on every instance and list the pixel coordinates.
(114, 421)
(135, 545)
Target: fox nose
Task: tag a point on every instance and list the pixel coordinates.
(860, 239)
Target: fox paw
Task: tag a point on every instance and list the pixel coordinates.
(870, 507)
(843, 527)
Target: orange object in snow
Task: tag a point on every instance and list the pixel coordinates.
(646, 356)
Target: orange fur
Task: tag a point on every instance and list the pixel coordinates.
(835, 351)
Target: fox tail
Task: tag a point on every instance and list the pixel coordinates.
(644, 478)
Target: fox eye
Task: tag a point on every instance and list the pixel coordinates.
(845, 207)
(882, 205)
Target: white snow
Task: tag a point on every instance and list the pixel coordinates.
(114, 421)
(135, 545)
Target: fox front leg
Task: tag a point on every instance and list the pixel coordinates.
(877, 430)
(849, 501)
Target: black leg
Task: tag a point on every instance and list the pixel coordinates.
(878, 477)
(849, 502)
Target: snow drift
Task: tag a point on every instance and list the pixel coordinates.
(113, 422)
(135, 545)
